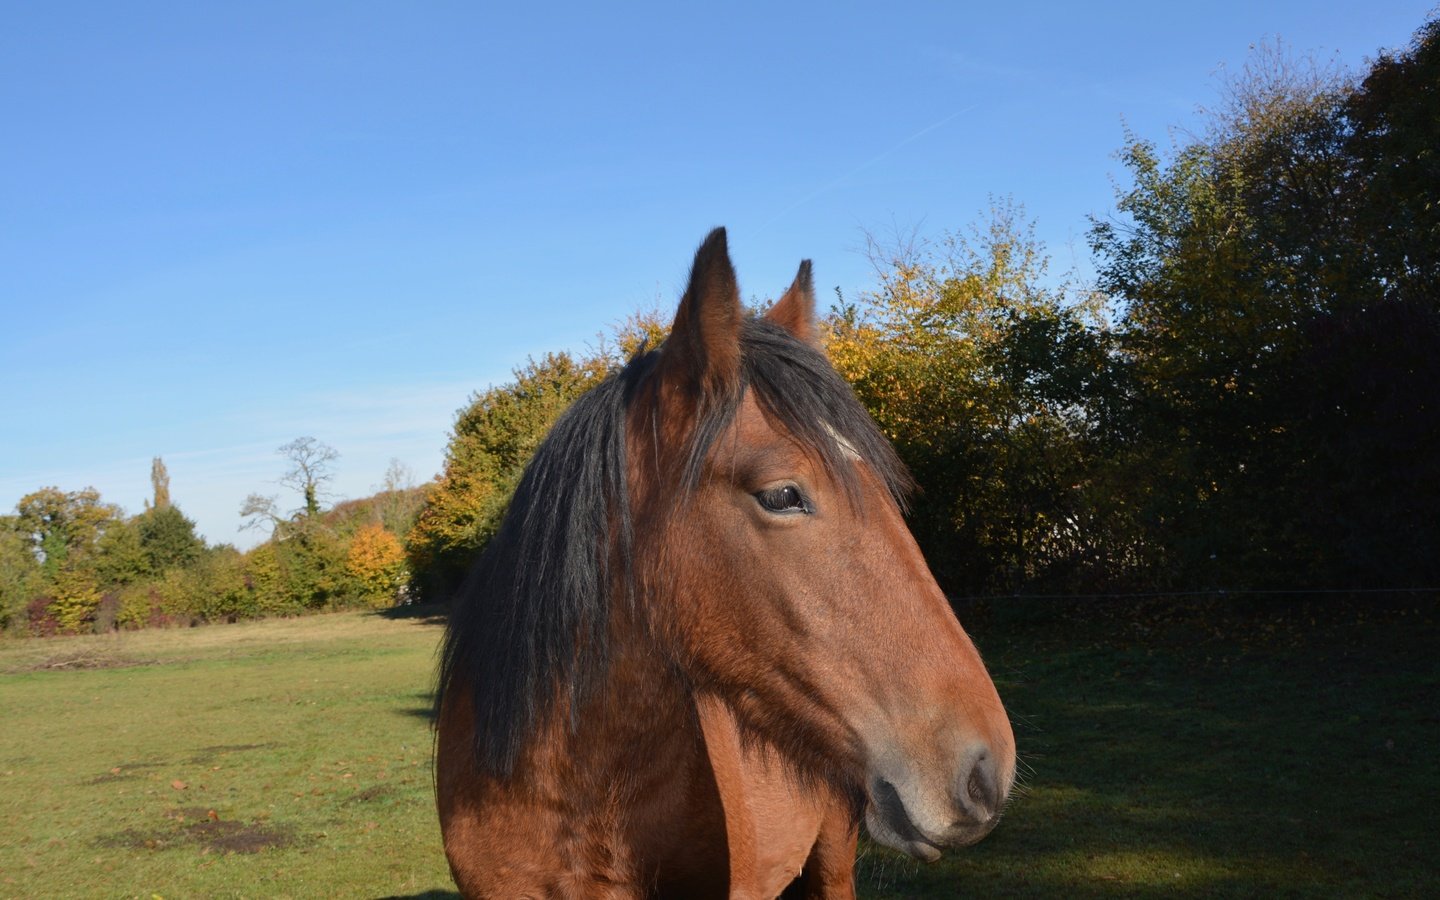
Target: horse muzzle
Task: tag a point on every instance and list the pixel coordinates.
(905, 815)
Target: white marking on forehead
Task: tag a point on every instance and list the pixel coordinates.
(845, 446)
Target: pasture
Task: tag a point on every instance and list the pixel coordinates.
(1286, 750)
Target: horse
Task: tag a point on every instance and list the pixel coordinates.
(703, 645)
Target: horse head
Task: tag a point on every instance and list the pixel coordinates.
(775, 569)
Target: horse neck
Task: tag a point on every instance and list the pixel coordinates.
(640, 711)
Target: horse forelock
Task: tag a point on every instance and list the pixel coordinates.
(531, 621)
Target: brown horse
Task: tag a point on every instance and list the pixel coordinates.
(703, 644)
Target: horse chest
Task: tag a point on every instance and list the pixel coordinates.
(581, 819)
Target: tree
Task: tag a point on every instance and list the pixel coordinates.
(260, 511)
(168, 538)
(21, 579)
(75, 600)
(121, 558)
(983, 379)
(399, 501)
(1262, 269)
(160, 484)
(494, 437)
(310, 470)
(304, 567)
(1395, 132)
(376, 562)
(1367, 489)
(264, 574)
(63, 527)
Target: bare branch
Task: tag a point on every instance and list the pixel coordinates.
(259, 511)
(309, 470)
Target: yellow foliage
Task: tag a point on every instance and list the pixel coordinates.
(76, 599)
(377, 563)
(641, 330)
(919, 349)
(266, 578)
(136, 604)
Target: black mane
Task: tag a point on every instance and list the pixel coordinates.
(533, 613)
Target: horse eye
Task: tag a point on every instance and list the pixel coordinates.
(786, 498)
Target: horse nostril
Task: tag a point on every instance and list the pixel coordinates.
(981, 797)
(976, 788)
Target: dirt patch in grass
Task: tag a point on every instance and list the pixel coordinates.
(203, 828)
(371, 794)
(82, 659)
(208, 754)
(111, 777)
(234, 837)
(125, 772)
(234, 748)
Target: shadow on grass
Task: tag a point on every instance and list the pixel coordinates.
(424, 708)
(428, 613)
(1259, 752)
(423, 895)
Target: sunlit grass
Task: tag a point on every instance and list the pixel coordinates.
(287, 758)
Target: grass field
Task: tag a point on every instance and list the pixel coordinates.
(270, 759)
(1288, 752)
(1282, 752)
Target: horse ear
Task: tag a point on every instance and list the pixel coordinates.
(795, 310)
(703, 349)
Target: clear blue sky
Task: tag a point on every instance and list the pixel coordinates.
(224, 226)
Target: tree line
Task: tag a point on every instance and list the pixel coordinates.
(1245, 399)
(71, 563)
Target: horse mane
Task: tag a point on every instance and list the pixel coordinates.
(533, 613)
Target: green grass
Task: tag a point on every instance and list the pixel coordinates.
(308, 739)
(1282, 752)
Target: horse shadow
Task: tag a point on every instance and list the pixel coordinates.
(427, 613)
(424, 708)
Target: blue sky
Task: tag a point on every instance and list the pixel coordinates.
(224, 226)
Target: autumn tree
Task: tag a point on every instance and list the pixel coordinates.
(159, 484)
(121, 558)
(1261, 277)
(310, 555)
(63, 527)
(21, 578)
(493, 438)
(986, 380)
(1364, 389)
(65, 530)
(376, 561)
